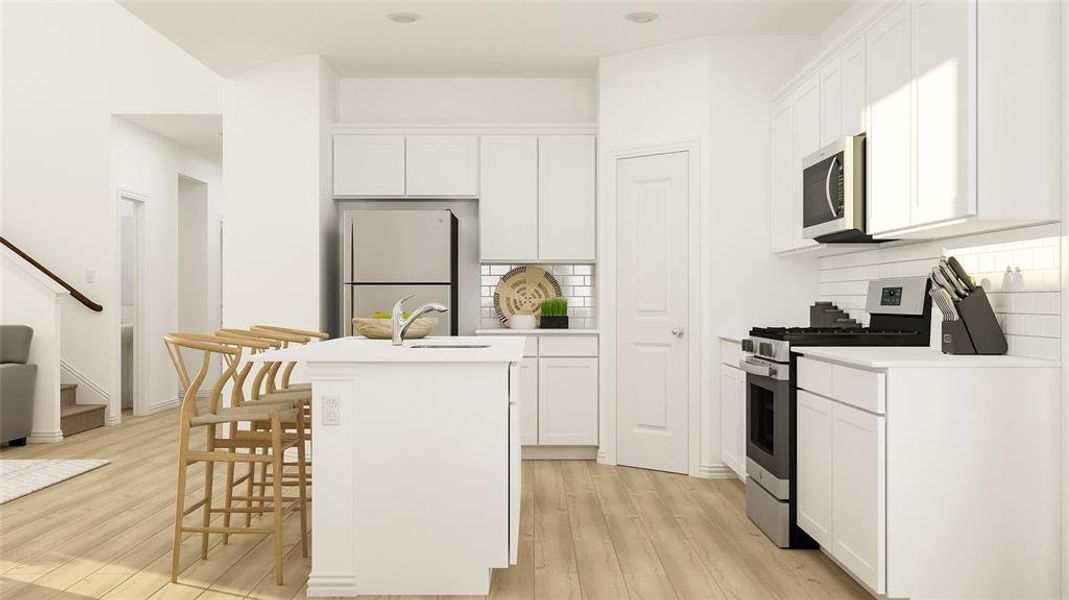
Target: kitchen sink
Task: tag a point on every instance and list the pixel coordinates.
(436, 346)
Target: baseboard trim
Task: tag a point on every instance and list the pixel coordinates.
(559, 453)
(603, 458)
(716, 472)
(100, 394)
(110, 420)
(45, 437)
(161, 406)
(320, 586)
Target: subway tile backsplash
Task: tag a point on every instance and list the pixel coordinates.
(576, 284)
(1020, 269)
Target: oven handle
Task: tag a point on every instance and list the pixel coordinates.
(762, 370)
(827, 186)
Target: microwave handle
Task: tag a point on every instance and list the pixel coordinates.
(827, 186)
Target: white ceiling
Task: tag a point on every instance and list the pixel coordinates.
(201, 133)
(487, 38)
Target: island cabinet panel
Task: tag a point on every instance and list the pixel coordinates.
(527, 382)
(814, 466)
(442, 165)
(567, 401)
(517, 396)
(369, 165)
(508, 198)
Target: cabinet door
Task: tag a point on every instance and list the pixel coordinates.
(814, 471)
(858, 498)
(855, 115)
(369, 165)
(441, 165)
(566, 193)
(942, 32)
(568, 401)
(508, 197)
(528, 387)
(782, 194)
(888, 74)
(731, 435)
(806, 108)
(831, 101)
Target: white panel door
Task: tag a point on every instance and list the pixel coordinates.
(888, 152)
(855, 115)
(566, 197)
(442, 165)
(528, 387)
(858, 499)
(831, 101)
(652, 197)
(733, 418)
(944, 67)
(814, 466)
(806, 108)
(508, 197)
(369, 165)
(567, 401)
(782, 193)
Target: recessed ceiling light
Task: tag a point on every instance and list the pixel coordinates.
(403, 17)
(641, 17)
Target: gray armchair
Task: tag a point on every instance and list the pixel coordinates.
(17, 382)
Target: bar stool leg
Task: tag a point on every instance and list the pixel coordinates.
(209, 476)
(276, 478)
(180, 502)
(301, 483)
(228, 497)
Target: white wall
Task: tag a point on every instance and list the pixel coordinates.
(67, 67)
(467, 101)
(150, 166)
(277, 201)
(715, 90)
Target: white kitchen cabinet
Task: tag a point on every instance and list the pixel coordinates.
(889, 150)
(508, 199)
(566, 197)
(528, 386)
(806, 109)
(814, 466)
(567, 401)
(783, 194)
(518, 398)
(369, 165)
(733, 419)
(854, 110)
(831, 101)
(857, 501)
(442, 165)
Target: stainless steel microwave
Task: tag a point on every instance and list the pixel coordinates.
(833, 192)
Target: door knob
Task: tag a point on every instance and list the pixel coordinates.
(677, 331)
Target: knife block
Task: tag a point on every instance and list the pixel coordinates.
(977, 331)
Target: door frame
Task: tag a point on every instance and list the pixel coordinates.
(698, 372)
(141, 405)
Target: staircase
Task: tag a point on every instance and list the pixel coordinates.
(76, 418)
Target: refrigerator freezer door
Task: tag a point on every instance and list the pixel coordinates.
(368, 299)
(401, 246)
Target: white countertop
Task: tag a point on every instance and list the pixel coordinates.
(506, 331)
(362, 350)
(735, 339)
(891, 357)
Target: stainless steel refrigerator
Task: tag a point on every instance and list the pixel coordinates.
(389, 254)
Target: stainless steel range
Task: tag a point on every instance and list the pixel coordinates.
(900, 315)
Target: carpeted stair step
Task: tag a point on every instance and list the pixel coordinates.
(76, 418)
(68, 394)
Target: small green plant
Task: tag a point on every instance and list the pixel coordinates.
(554, 307)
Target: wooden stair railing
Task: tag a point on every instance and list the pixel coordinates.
(80, 297)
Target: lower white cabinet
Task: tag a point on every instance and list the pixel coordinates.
(814, 466)
(733, 419)
(567, 416)
(528, 386)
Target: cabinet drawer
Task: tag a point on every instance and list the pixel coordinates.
(730, 353)
(569, 345)
(863, 389)
(814, 376)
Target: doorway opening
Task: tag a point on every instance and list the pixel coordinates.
(196, 310)
(132, 311)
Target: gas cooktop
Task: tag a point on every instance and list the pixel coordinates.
(842, 336)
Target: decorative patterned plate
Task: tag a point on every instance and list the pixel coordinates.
(522, 290)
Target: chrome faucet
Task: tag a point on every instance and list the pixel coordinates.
(401, 324)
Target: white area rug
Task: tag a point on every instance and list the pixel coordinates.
(21, 477)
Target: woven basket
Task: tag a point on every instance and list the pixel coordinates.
(522, 290)
(382, 329)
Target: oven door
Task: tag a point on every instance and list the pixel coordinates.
(768, 420)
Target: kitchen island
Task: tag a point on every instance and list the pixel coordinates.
(415, 463)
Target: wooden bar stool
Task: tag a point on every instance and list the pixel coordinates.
(232, 445)
(285, 384)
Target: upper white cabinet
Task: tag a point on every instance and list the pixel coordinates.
(784, 195)
(441, 165)
(369, 165)
(566, 193)
(948, 94)
(508, 202)
(537, 199)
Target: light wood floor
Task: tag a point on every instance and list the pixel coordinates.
(588, 531)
